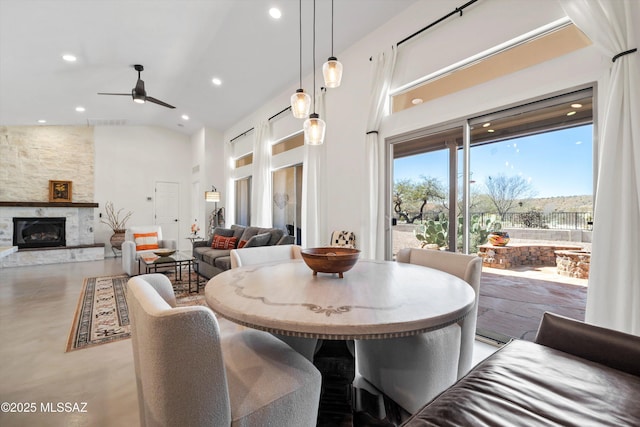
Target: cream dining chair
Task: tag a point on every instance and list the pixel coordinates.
(413, 370)
(188, 374)
(279, 253)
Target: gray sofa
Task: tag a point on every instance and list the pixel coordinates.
(213, 261)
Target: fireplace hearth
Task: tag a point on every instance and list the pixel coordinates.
(39, 232)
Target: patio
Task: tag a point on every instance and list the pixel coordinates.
(512, 301)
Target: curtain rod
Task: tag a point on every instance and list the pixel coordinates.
(241, 135)
(457, 10)
(280, 112)
(270, 118)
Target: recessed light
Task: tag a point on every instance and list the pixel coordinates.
(69, 58)
(416, 101)
(80, 109)
(491, 131)
(185, 117)
(486, 125)
(275, 13)
(216, 81)
(571, 113)
(42, 121)
(576, 105)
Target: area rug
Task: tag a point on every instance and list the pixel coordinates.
(102, 315)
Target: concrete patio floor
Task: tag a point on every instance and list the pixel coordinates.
(512, 301)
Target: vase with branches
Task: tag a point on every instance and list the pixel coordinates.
(117, 224)
(113, 219)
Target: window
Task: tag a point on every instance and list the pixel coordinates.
(287, 197)
(243, 201)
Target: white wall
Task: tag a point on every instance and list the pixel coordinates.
(214, 167)
(483, 25)
(129, 160)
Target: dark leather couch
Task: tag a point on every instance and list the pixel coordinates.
(574, 374)
(213, 261)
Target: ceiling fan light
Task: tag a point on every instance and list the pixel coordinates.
(300, 104)
(332, 72)
(138, 100)
(314, 129)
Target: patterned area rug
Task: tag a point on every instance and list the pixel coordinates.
(102, 315)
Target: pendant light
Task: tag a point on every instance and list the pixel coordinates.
(300, 101)
(332, 69)
(314, 126)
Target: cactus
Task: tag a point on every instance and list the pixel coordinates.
(433, 232)
(436, 232)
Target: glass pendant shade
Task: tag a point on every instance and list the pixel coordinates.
(332, 72)
(300, 104)
(314, 128)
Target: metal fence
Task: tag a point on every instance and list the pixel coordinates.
(532, 219)
(550, 220)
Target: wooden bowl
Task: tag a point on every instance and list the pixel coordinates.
(164, 252)
(330, 259)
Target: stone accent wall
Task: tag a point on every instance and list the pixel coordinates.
(505, 257)
(30, 156)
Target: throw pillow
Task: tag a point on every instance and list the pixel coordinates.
(258, 240)
(145, 241)
(221, 242)
(224, 232)
(242, 244)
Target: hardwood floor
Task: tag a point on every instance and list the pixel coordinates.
(37, 305)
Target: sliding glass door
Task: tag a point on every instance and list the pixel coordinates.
(424, 194)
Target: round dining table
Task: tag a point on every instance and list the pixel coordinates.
(374, 300)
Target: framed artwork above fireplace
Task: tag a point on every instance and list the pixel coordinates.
(60, 191)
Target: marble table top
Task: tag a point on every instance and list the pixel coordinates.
(375, 299)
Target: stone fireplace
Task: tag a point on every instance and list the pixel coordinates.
(48, 233)
(33, 232)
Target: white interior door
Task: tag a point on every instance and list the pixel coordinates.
(167, 214)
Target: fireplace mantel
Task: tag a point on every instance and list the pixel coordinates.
(50, 204)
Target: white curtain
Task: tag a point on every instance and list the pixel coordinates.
(373, 224)
(261, 213)
(613, 298)
(314, 197)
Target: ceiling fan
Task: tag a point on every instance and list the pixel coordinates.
(138, 93)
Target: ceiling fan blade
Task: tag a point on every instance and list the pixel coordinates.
(125, 94)
(157, 101)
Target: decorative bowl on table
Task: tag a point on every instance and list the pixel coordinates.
(330, 259)
(164, 252)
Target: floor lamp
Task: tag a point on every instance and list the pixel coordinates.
(213, 196)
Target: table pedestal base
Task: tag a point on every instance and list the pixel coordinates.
(337, 366)
(345, 403)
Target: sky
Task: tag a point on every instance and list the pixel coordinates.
(555, 163)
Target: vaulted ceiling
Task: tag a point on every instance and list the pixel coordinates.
(182, 45)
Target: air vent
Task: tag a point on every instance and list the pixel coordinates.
(107, 122)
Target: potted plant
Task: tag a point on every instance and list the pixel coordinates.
(116, 224)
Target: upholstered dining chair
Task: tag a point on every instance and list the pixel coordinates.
(267, 254)
(187, 373)
(264, 254)
(344, 239)
(413, 370)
